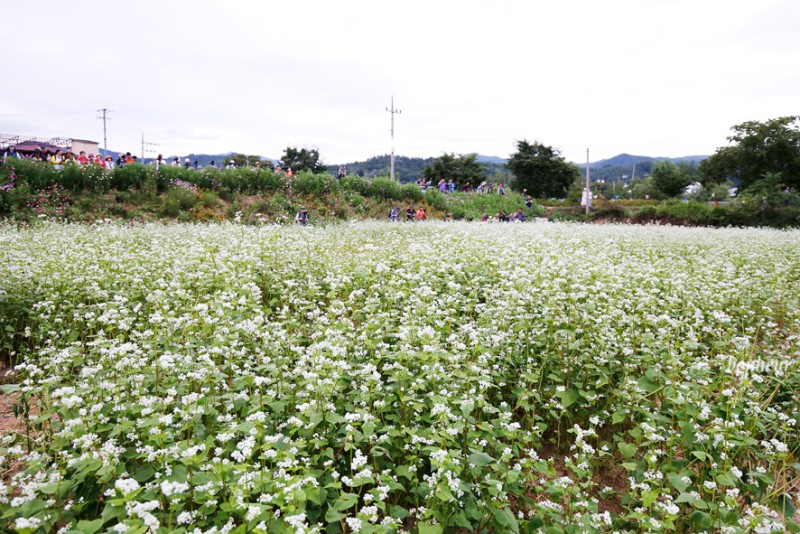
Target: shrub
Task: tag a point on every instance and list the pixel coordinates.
(436, 199)
(412, 192)
(131, 176)
(355, 184)
(209, 199)
(170, 208)
(385, 188)
(184, 198)
(313, 184)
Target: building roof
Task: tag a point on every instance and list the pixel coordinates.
(31, 146)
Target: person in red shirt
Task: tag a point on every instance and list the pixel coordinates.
(82, 159)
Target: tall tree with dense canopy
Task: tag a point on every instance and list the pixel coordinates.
(541, 170)
(302, 159)
(757, 149)
(670, 179)
(462, 169)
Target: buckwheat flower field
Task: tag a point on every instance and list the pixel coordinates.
(431, 377)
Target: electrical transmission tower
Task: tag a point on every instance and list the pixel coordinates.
(393, 112)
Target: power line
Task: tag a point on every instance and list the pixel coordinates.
(46, 114)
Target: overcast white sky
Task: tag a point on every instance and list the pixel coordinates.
(645, 77)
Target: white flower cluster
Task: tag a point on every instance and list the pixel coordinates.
(224, 377)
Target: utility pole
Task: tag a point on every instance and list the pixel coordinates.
(588, 191)
(144, 160)
(105, 112)
(393, 112)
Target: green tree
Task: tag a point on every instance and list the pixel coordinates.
(541, 170)
(757, 149)
(670, 179)
(462, 169)
(302, 159)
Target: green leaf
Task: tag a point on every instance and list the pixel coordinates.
(627, 450)
(90, 527)
(691, 499)
(700, 455)
(505, 518)
(345, 501)
(10, 388)
(648, 385)
(676, 479)
(480, 459)
(427, 528)
(460, 520)
(618, 418)
(570, 397)
(648, 498)
(785, 505)
(724, 479)
(398, 512)
(443, 494)
(701, 520)
(332, 515)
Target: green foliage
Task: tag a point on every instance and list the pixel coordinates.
(770, 190)
(316, 184)
(383, 377)
(129, 177)
(461, 169)
(472, 206)
(671, 179)
(541, 170)
(386, 188)
(406, 169)
(179, 199)
(757, 149)
(411, 192)
(302, 159)
(645, 189)
(435, 198)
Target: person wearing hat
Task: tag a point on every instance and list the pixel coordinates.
(186, 163)
(109, 162)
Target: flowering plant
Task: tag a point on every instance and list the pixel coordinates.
(377, 377)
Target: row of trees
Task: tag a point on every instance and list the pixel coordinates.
(761, 156)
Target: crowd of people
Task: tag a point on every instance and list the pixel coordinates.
(59, 158)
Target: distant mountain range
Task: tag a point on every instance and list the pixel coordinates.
(627, 160)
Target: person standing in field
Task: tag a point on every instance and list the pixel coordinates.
(421, 216)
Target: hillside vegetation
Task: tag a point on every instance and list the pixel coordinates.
(32, 190)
